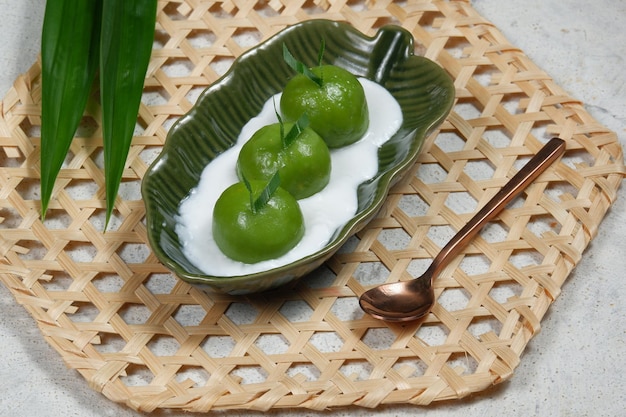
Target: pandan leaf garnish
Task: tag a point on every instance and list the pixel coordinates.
(301, 68)
(257, 203)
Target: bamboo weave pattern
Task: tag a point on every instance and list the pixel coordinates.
(148, 340)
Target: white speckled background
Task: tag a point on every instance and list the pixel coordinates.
(576, 366)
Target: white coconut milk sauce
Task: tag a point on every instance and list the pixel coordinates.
(324, 212)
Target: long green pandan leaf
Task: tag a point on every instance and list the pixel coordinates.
(69, 59)
(126, 44)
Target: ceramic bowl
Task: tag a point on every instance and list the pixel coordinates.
(423, 89)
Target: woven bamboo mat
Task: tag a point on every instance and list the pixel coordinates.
(146, 339)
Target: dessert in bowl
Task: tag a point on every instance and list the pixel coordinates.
(424, 94)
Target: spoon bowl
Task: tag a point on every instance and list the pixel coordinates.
(413, 299)
(399, 301)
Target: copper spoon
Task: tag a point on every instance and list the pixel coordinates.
(411, 300)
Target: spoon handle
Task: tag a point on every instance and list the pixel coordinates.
(549, 153)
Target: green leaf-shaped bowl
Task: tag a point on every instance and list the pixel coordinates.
(424, 91)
